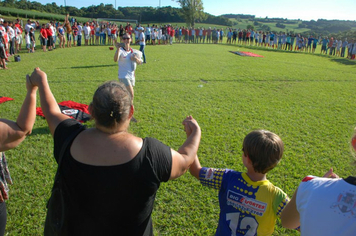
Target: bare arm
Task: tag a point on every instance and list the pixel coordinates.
(49, 104)
(13, 133)
(184, 157)
(117, 55)
(66, 19)
(290, 215)
(195, 168)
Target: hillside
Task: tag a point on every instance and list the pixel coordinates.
(319, 27)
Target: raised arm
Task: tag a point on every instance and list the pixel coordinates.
(49, 105)
(13, 133)
(184, 157)
(195, 168)
(66, 20)
(117, 54)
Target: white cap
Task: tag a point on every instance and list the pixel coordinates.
(1, 20)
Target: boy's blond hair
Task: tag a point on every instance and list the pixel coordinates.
(264, 149)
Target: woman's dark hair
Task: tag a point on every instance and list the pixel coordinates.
(111, 104)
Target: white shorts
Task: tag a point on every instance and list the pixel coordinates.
(127, 82)
(19, 39)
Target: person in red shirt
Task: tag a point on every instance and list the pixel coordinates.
(18, 34)
(186, 35)
(248, 34)
(204, 34)
(208, 34)
(75, 33)
(128, 29)
(171, 35)
(197, 35)
(49, 37)
(114, 34)
(44, 37)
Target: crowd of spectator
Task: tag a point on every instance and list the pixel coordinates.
(72, 33)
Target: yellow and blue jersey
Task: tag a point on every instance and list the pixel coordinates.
(246, 207)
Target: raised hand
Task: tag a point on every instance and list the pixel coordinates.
(37, 77)
(331, 174)
(190, 125)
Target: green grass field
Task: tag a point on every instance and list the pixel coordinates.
(308, 100)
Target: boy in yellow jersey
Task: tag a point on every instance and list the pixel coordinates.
(249, 203)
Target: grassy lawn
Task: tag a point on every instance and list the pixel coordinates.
(308, 100)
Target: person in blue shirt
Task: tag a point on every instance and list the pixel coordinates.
(324, 43)
(315, 42)
(249, 203)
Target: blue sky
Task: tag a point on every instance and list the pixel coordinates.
(299, 9)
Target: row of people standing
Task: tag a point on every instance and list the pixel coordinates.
(10, 40)
(104, 33)
(338, 47)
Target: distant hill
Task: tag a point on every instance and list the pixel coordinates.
(319, 27)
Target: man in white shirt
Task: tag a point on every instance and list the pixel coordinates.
(28, 26)
(80, 29)
(87, 31)
(11, 36)
(54, 35)
(141, 38)
(193, 35)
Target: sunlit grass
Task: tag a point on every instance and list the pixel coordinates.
(309, 100)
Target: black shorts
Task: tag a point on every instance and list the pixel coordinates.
(50, 41)
(43, 41)
(3, 218)
(2, 53)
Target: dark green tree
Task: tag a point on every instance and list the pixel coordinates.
(192, 10)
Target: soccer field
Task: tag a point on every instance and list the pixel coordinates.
(308, 100)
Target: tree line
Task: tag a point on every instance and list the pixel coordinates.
(142, 14)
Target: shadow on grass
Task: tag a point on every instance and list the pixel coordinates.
(344, 61)
(87, 67)
(40, 131)
(259, 48)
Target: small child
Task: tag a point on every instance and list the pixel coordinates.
(28, 41)
(249, 203)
